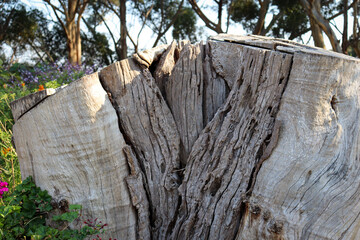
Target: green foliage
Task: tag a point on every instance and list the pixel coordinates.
(185, 25)
(21, 28)
(245, 12)
(96, 49)
(23, 211)
(293, 21)
(9, 165)
(162, 16)
(23, 214)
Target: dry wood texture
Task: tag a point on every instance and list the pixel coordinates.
(237, 138)
(149, 127)
(194, 92)
(71, 144)
(220, 166)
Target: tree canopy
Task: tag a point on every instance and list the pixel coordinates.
(103, 31)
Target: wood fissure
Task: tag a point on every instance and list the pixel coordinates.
(242, 137)
(262, 70)
(136, 182)
(149, 125)
(21, 106)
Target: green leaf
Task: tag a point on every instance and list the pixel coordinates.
(68, 216)
(4, 211)
(75, 207)
(18, 231)
(29, 208)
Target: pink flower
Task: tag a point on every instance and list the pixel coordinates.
(3, 188)
(3, 184)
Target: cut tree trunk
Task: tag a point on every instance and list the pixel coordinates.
(237, 138)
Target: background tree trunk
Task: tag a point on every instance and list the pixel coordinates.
(316, 31)
(259, 28)
(236, 138)
(315, 15)
(71, 25)
(123, 44)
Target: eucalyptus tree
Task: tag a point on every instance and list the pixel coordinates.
(163, 15)
(69, 13)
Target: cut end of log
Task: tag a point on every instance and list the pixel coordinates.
(279, 44)
(22, 105)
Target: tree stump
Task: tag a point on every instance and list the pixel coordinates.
(237, 138)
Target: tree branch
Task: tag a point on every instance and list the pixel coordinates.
(59, 19)
(323, 24)
(276, 17)
(220, 12)
(6, 25)
(110, 32)
(54, 7)
(161, 34)
(328, 19)
(345, 29)
(63, 5)
(142, 27)
(261, 20)
(207, 21)
(228, 17)
(109, 6)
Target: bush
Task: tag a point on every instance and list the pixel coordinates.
(23, 216)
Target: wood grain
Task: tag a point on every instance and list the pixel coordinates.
(194, 93)
(241, 137)
(220, 165)
(308, 187)
(150, 129)
(71, 144)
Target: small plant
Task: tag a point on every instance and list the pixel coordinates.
(23, 216)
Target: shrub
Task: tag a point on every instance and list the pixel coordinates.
(23, 216)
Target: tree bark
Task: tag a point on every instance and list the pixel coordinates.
(264, 5)
(345, 29)
(316, 31)
(71, 26)
(210, 24)
(123, 31)
(319, 20)
(355, 42)
(236, 138)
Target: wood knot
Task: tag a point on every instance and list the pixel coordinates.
(62, 205)
(276, 226)
(266, 215)
(172, 181)
(255, 209)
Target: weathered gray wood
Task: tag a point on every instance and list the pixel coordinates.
(194, 93)
(166, 65)
(243, 137)
(219, 171)
(308, 188)
(149, 127)
(22, 105)
(147, 57)
(71, 144)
